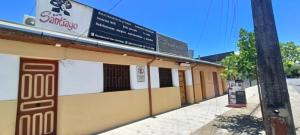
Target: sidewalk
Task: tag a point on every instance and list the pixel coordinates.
(237, 121)
(248, 121)
(183, 121)
(210, 117)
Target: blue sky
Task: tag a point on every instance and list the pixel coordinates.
(200, 23)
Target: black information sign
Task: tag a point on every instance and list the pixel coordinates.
(114, 29)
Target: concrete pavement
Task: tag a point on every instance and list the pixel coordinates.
(248, 121)
(208, 118)
(182, 121)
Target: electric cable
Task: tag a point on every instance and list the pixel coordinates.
(114, 6)
(226, 25)
(32, 8)
(206, 19)
(233, 20)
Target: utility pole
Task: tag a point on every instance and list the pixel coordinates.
(278, 118)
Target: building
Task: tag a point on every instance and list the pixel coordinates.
(191, 53)
(216, 58)
(79, 81)
(59, 83)
(171, 46)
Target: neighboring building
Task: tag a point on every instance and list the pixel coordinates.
(172, 46)
(191, 54)
(216, 58)
(65, 84)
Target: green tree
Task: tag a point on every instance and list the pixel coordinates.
(247, 55)
(231, 67)
(242, 65)
(290, 53)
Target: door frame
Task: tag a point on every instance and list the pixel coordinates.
(203, 86)
(216, 84)
(184, 81)
(55, 96)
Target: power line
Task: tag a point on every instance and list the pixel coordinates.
(226, 26)
(114, 6)
(205, 20)
(237, 16)
(233, 18)
(32, 8)
(221, 16)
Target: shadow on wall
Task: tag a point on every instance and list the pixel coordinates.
(240, 124)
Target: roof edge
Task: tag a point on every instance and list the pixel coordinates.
(42, 32)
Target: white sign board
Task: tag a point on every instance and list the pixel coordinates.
(140, 73)
(64, 16)
(231, 92)
(234, 88)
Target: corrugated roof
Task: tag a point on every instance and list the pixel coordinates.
(216, 57)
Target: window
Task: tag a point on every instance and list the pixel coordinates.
(116, 78)
(165, 77)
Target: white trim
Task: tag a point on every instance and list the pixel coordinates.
(188, 78)
(154, 74)
(9, 76)
(80, 77)
(175, 77)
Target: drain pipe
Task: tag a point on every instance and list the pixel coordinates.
(149, 85)
(192, 70)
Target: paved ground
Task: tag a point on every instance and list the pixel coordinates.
(248, 121)
(294, 91)
(183, 121)
(211, 117)
(238, 121)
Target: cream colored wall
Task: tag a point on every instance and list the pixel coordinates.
(164, 64)
(8, 113)
(31, 50)
(88, 113)
(190, 94)
(92, 113)
(197, 86)
(165, 99)
(225, 85)
(208, 77)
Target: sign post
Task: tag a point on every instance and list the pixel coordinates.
(237, 95)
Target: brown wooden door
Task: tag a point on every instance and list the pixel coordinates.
(182, 87)
(37, 98)
(203, 87)
(216, 84)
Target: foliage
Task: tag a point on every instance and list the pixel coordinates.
(290, 53)
(247, 55)
(242, 65)
(231, 67)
